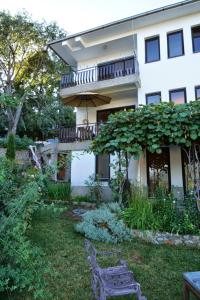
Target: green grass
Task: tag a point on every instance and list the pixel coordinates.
(58, 190)
(158, 268)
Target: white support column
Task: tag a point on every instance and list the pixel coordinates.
(176, 171)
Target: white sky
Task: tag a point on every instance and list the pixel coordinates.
(78, 15)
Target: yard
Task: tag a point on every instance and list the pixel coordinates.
(158, 268)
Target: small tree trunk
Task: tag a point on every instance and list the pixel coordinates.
(17, 117)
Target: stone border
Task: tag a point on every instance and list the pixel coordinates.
(159, 238)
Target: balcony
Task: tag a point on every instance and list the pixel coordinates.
(78, 133)
(103, 76)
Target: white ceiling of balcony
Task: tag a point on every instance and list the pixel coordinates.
(106, 38)
(84, 48)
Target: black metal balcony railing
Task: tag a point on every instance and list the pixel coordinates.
(78, 133)
(110, 70)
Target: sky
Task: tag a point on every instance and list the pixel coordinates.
(79, 15)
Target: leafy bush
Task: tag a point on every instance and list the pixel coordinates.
(22, 265)
(95, 188)
(21, 143)
(162, 213)
(103, 224)
(166, 213)
(58, 190)
(10, 152)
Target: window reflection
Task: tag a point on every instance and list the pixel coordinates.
(175, 44)
(178, 96)
(158, 171)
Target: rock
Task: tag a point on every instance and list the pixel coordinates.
(79, 211)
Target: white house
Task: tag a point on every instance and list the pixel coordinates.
(146, 58)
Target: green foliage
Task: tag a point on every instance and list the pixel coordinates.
(150, 127)
(21, 264)
(94, 185)
(10, 152)
(82, 198)
(58, 190)
(119, 183)
(162, 213)
(41, 118)
(21, 143)
(30, 77)
(139, 214)
(104, 224)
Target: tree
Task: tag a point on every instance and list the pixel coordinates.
(10, 152)
(28, 72)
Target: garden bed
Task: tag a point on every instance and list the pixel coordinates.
(167, 238)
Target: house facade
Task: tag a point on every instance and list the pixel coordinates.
(144, 59)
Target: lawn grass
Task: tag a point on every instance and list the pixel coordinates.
(158, 268)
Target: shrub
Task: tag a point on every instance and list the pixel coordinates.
(139, 214)
(22, 265)
(95, 188)
(21, 143)
(104, 225)
(166, 212)
(58, 190)
(162, 213)
(10, 152)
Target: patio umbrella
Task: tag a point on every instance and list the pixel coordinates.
(86, 100)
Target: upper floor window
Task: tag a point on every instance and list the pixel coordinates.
(178, 96)
(153, 98)
(196, 39)
(197, 92)
(152, 49)
(175, 44)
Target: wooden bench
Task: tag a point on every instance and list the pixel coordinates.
(111, 281)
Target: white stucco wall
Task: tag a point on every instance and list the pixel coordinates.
(83, 165)
(173, 73)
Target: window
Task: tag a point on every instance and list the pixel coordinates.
(103, 166)
(102, 115)
(63, 172)
(152, 49)
(158, 171)
(196, 39)
(178, 96)
(153, 98)
(197, 92)
(175, 44)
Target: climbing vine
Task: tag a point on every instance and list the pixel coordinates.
(150, 127)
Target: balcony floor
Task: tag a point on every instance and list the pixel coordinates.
(104, 86)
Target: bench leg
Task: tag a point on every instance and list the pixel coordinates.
(186, 292)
